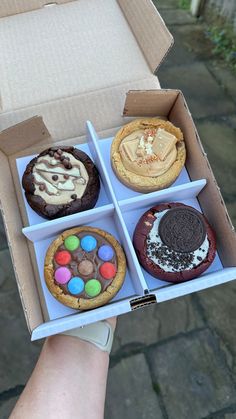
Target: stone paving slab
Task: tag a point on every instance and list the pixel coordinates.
(154, 323)
(179, 53)
(204, 96)
(231, 120)
(163, 4)
(130, 394)
(192, 376)
(219, 308)
(7, 407)
(221, 415)
(187, 48)
(180, 18)
(18, 353)
(218, 139)
(7, 277)
(225, 77)
(230, 416)
(3, 239)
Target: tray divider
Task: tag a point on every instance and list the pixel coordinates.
(93, 139)
(180, 192)
(203, 282)
(134, 266)
(48, 228)
(79, 320)
(140, 284)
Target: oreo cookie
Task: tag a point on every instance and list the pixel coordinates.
(182, 229)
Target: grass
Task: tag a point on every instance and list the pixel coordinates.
(224, 43)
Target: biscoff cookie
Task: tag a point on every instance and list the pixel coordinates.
(148, 154)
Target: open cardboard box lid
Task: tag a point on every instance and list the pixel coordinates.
(69, 62)
(75, 60)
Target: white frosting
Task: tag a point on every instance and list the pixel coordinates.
(154, 237)
(42, 167)
(59, 191)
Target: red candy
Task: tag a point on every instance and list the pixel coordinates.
(107, 270)
(63, 257)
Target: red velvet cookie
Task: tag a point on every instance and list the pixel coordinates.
(174, 242)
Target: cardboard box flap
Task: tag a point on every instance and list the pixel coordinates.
(23, 135)
(46, 56)
(12, 7)
(153, 107)
(149, 29)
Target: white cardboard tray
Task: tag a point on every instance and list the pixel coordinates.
(117, 211)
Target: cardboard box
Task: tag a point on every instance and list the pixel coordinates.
(65, 114)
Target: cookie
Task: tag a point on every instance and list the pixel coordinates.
(174, 242)
(61, 181)
(148, 154)
(84, 267)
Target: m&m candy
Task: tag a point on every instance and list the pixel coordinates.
(62, 275)
(75, 285)
(88, 243)
(63, 257)
(108, 270)
(85, 267)
(71, 243)
(93, 287)
(105, 252)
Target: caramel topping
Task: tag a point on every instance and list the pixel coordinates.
(148, 152)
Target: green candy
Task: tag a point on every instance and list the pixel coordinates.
(71, 243)
(93, 287)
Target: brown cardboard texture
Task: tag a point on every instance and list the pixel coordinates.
(78, 69)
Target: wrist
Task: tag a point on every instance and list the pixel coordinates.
(99, 335)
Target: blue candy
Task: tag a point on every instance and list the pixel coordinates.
(105, 252)
(75, 285)
(88, 243)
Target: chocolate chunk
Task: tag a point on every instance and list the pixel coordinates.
(54, 177)
(59, 151)
(42, 187)
(62, 158)
(66, 176)
(69, 166)
(182, 229)
(56, 156)
(74, 196)
(51, 153)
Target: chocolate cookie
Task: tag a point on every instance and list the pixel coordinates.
(148, 154)
(84, 267)
(61, 181)
(174, 242)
